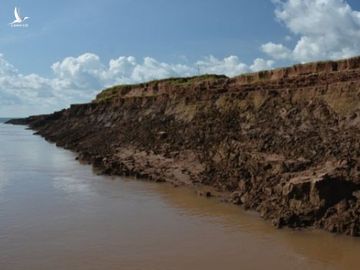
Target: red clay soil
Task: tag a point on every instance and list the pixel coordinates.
(285, 142)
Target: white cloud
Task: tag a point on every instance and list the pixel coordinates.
(79, 79)
(81, 72)
(277, 51)
(261, 64)
(230, 66)
(151, 69)
(326, 29)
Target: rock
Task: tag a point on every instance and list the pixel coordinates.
(356, 194)
(206, 194)
(162, 135)
(235, 197)
(244, 186)
(244, 199)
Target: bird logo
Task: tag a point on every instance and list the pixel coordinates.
(19, 20)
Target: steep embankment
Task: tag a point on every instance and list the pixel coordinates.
(284, 142)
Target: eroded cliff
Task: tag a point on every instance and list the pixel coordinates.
(284, 142)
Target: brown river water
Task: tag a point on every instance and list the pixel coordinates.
(58, 214)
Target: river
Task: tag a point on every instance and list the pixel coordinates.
(56, 213)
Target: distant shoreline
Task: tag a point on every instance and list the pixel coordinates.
(4, 119)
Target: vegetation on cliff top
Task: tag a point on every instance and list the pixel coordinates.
(121, 90)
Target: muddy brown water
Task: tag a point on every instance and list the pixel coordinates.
(57, 214)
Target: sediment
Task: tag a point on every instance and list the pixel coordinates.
(285, 142)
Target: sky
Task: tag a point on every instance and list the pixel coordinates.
(69, 50)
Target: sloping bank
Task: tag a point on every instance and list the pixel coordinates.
(284, 142)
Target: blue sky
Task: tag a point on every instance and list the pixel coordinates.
(166, 30)
(72, 49)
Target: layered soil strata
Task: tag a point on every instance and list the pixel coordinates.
(285, 143)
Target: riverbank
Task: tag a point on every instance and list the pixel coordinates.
(72, 218)
(284, 143)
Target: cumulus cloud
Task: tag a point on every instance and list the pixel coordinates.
(277, 51)
(261, 64)
(149, 69)
(88, 70)
(325, 29)
(79, 79)
(229, 65)
(80, 72)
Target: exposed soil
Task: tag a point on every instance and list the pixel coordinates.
(285, 142)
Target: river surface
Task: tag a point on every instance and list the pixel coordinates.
(58, 214)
